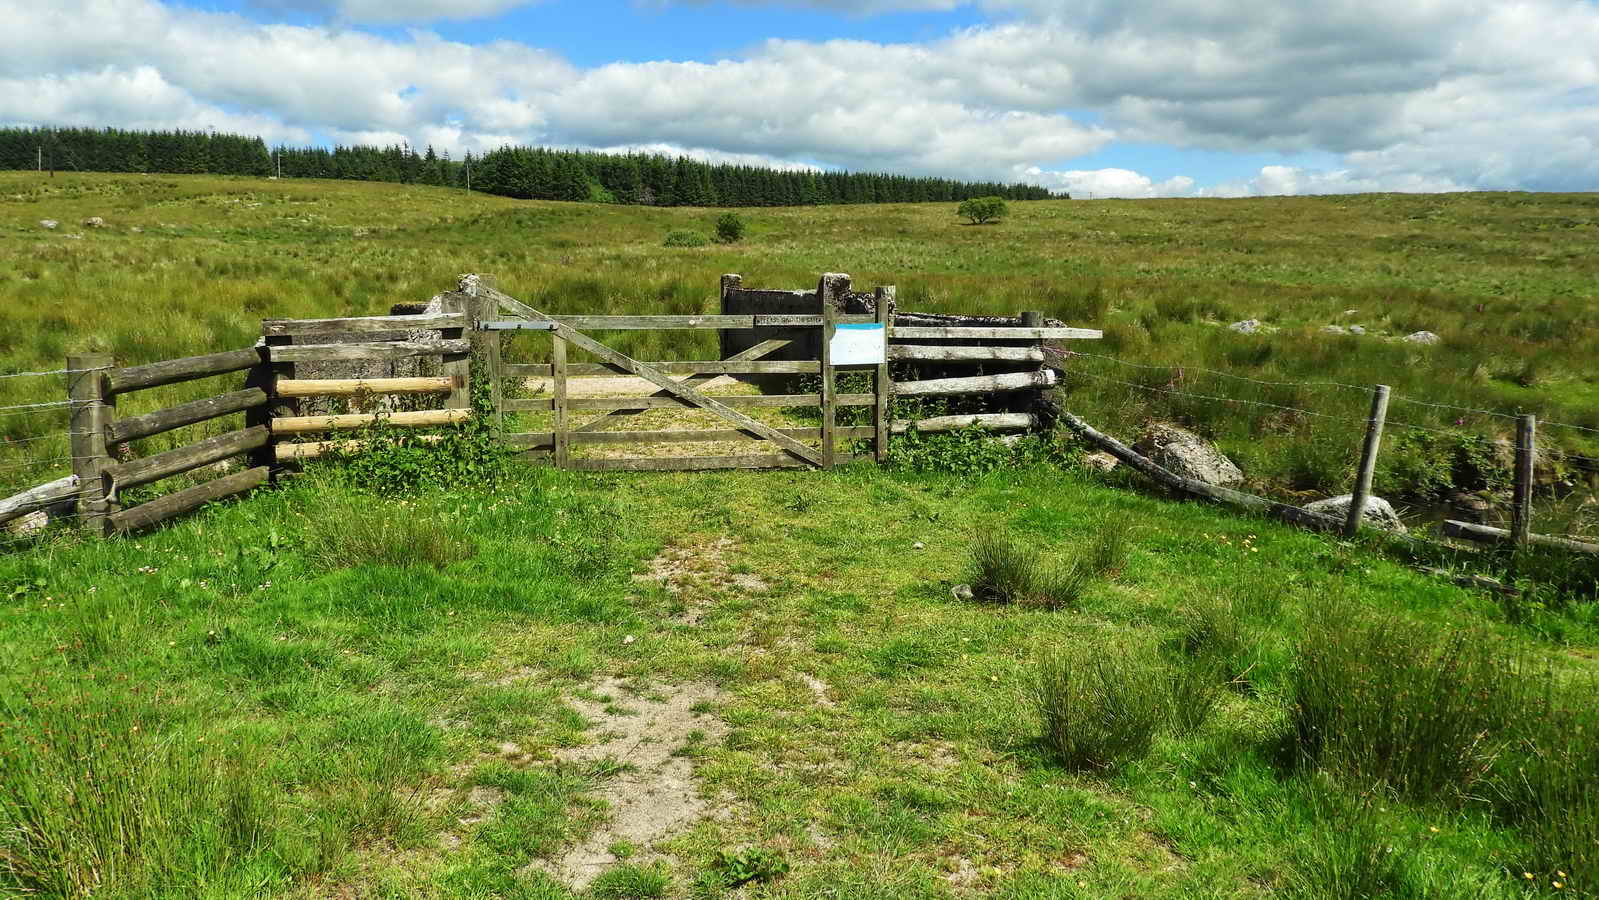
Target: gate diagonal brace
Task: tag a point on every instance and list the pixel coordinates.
(658, 378)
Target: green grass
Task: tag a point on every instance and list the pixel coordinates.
(251, 720)
(1505, 278)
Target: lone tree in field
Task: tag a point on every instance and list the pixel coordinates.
(982, 210)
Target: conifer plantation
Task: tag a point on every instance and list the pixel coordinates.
(527, 173)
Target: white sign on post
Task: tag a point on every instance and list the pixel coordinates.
(859, 345)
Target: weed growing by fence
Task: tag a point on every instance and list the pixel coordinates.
(1548, 784)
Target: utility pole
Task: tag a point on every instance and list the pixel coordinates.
(40, 165)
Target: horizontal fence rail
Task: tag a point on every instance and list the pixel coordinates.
(187, 414)
(431, 418)
(289, 353)
(173, 371)
(351, 387)
(185, 459)
(363, 325)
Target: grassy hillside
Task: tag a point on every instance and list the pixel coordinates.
(189, 264)
(464, 692)
(322, 693)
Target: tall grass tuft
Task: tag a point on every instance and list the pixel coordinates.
(1382, 700)
(1548, 785)
(1353, 853)
(347, 529)
(93, 803)
(1009, 570)
(1100, 709)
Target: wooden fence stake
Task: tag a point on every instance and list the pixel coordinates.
(885, 387)
(1368, 460)
(1521, 511)
(92, 412)
(558, 373)
(831, 293)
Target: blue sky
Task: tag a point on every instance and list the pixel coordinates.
(1111, 97)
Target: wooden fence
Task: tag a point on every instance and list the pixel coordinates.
(304, 375)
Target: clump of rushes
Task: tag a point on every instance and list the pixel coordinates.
(1008, 570)
(1384, 701)
(1100, 708)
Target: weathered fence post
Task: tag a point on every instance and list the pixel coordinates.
(885, 387)
(559, 425)
(1521, 509)
(458, 370)
(831, 293)
(730, 283)
(92, 412)
(261, 376)
(1368, 460)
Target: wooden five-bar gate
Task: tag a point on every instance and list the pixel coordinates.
(582, 420)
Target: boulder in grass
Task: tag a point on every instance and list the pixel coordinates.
(1100, 462)
(1247, 326)
(30, 524)
(49, 224)
(94, 222)
(1425, 338)
(1334, 329)
(1357, 329)
(1379, 513)
(1189, 455)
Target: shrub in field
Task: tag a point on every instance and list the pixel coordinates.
(982, 210)
(684, 239)
(1100, 708)
(729, 228)
(1386, 701)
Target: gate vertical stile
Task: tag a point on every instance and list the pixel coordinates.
(885, 387)
(560, 425)
(830, 292)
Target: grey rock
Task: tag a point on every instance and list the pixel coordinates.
(1425, 338)
(961, 592)
(1378, 513)
(136, 230)
(1334, 329)
(1100, 462)
(94, 222)
(1247, 326)
(1357, 329)
(49, 224)
(1188, 455)
(32, 523)
(1350, 312)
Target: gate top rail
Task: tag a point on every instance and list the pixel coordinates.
(636, 323)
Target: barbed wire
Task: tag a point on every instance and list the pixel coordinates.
(54, 372)
(6, 442)
(1217, 372)
(1278, 406)
(1337, 384)
(54, 403)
